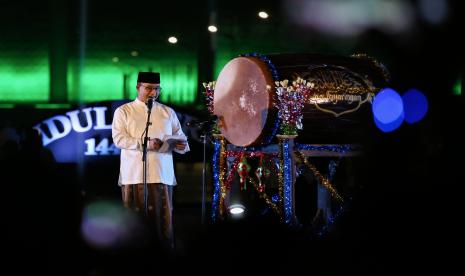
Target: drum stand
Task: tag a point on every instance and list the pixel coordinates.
(283, 152)
(287, 153)
(204, 141)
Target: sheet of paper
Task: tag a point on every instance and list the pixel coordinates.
(169, 141)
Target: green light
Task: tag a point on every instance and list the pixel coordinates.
(7, 106)
(102, 81)
(52, 106)
(179, 83)
(28, 80)
(99, 83)
(21, 81)
(457, 90)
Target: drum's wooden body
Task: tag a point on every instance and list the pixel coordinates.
(245, 106)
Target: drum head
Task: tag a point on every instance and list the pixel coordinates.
(242, 101)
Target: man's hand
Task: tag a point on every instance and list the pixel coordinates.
(180, 145)
(155, 144)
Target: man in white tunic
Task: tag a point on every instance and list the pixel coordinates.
(129, 122)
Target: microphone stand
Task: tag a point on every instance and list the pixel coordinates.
(204, 141)
(144, 156)
(204, 128)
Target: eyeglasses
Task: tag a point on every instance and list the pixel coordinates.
(149, 88)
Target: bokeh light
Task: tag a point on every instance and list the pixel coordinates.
(107, 225)
(212, 29)
(415, 105)
(388, 110)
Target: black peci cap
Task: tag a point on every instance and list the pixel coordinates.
(148, 77)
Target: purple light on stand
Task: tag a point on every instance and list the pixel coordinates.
(388, 110)
(415, 105)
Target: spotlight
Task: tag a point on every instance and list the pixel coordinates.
(263, 15)
(212, 28)
(236, 209)
(172, 40)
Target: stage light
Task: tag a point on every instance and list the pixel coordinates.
(172, 40)
(236, 210)
(134, 53)
(263, 15)
(115, 59)
(212, 29)
(415, 105)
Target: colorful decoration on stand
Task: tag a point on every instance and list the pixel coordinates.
(343, 149)
(219, 172)
(241, 166)
(222, 167)
(286, 180)
(243, 169)
(209, 93)
(261, 173)
(216, 179)
(248, 154)
(269, 163)
(239, 155)
(232, 172)
(290, 101)
(209, 100)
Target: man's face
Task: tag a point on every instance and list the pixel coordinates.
(146, 90)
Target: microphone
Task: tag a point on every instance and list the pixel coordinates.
(211, 120)
(150, 101)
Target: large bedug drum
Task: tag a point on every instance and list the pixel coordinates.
(336, 113)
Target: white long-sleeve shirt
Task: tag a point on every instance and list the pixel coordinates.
(128, 126)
